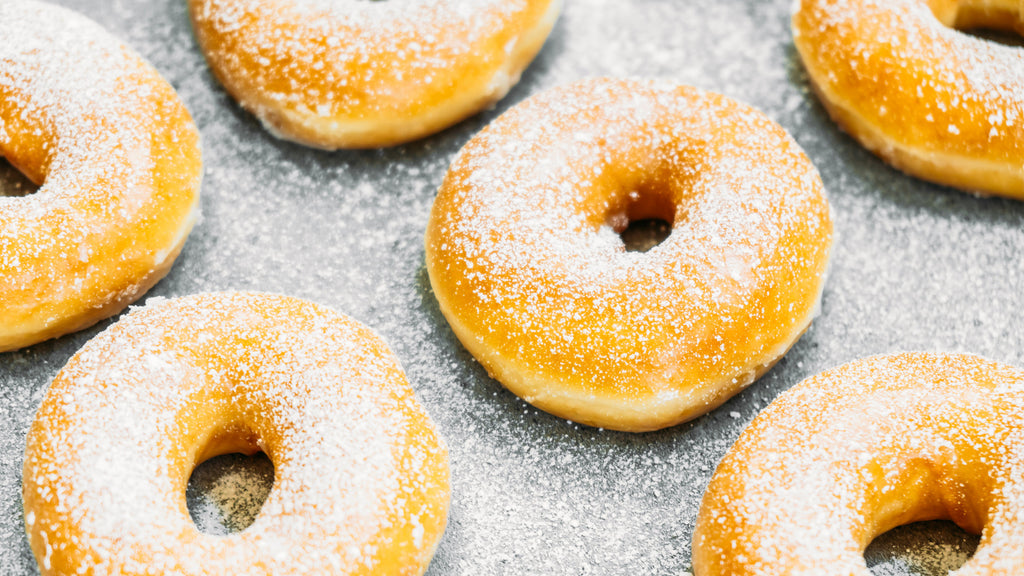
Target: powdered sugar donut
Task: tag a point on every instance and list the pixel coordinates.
(524, 258)
(356, 74)
(936, 103)
(117, 157)
(361, 479)
(860, 449)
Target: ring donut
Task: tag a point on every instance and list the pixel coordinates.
(528, 269)
(117, 159)
(934, 102)
(863, 448)
(333, 74)
(360, 481)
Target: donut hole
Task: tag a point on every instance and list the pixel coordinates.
(642, 235)
(921, 548)
(1003, 25)
(997, 36)
(226, 493)
(13, 182)
(642, 218)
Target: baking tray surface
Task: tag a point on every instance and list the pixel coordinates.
(915, 267)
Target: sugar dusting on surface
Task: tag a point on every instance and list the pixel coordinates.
(323, 396)
(915, 267)
(920, 549)
(225, 494)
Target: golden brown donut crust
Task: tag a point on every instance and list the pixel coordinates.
(358, 74)
(361, 479)
(934, 102)
(865, 447)
(117, 157)
(529, 272)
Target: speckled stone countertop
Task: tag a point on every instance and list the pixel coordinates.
(915, 267)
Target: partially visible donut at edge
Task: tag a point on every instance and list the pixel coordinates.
(860, 449)
(934, 102)
(527, 266)
(348, 74)
(117, 159)
(361, 478)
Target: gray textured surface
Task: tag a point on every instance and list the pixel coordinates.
(916, 267)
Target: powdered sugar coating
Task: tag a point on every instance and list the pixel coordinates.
(361, 483)
(850, 453)
(117, 158)
(914, 267)
(938, 103)
(354, 73)
(525, 261)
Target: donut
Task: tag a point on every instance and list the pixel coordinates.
(865, 447)
(346, 74)
(936, 103)
(360, 476)
(524, 257)
(117, 159)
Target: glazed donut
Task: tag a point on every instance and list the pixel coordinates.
(117, 157)
(863, 448)
(361, 478)
(524, 257)
(353, 74)
(938, 104)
